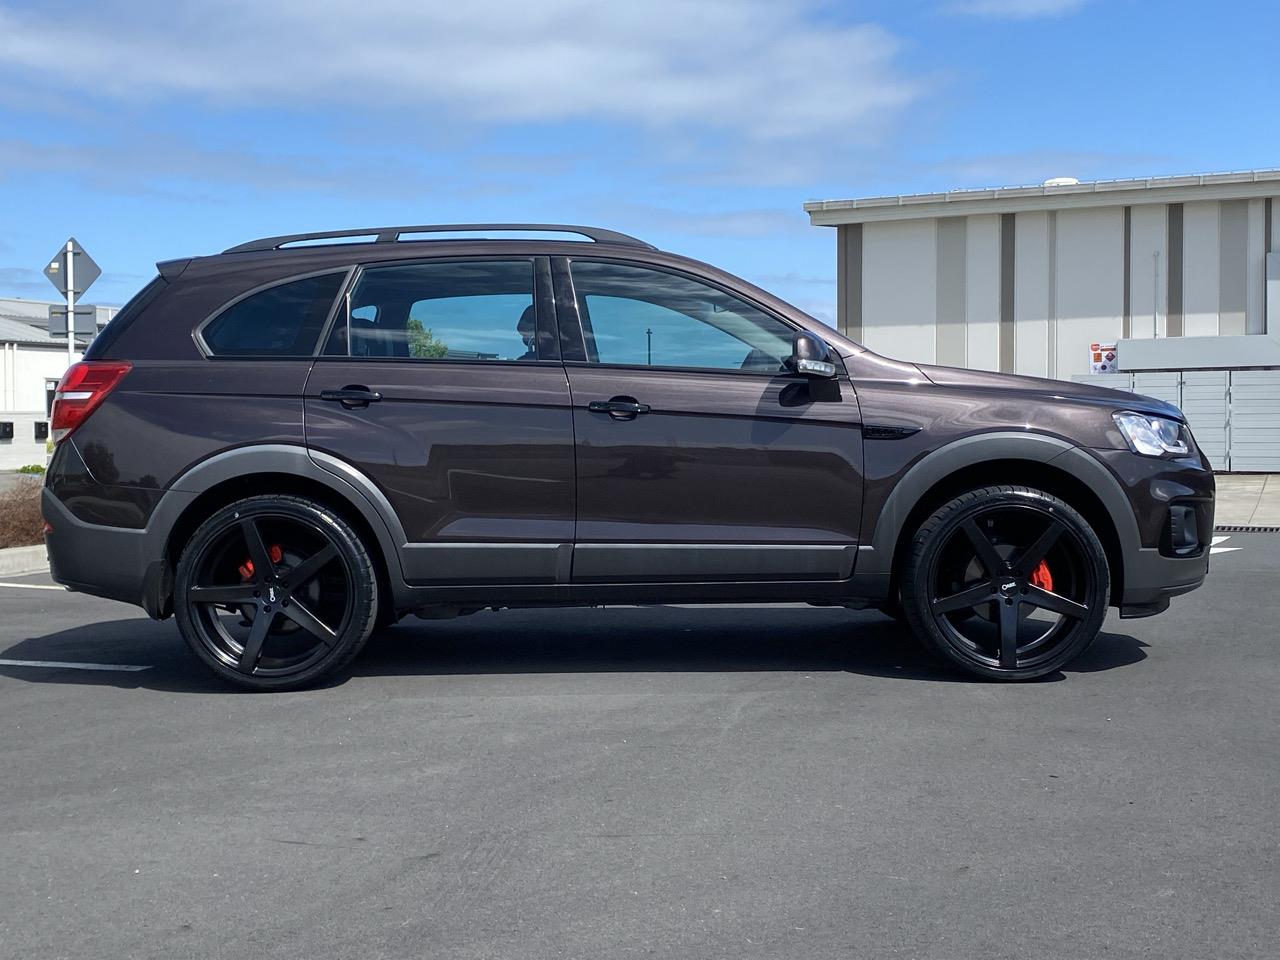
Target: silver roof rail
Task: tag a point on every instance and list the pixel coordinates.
(393, 234)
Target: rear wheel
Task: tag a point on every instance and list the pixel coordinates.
(275, 593)
(1006, 582)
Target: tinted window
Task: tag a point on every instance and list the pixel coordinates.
(466, 310)
(281, 321)
(109, 334)
(638, 316)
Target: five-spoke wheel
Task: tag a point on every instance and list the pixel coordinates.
(275, 592)
(1007, 582)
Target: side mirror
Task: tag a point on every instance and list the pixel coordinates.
(810, 357)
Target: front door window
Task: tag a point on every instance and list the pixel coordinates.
(637, 316)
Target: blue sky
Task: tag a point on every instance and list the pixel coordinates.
(159, 130)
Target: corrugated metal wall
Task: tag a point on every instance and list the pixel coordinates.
(1028, 291)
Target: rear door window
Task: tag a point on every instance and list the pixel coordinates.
(479, 310)
(281, 321)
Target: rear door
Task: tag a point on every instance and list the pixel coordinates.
(442, 381)
(700, 457)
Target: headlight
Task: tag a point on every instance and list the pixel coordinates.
(1153, 436)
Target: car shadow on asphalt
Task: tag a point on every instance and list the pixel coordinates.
(652, 639)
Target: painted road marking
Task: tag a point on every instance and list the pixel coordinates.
(31, 586)
(59, 665)
(1214, 548)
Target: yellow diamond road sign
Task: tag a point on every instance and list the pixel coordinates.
(86, 271)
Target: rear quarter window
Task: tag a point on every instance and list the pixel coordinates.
(283, 320)
(107, 337)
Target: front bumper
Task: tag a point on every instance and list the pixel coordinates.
(1153, 572)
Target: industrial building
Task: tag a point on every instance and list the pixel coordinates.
(1182, 274)
(31, 363)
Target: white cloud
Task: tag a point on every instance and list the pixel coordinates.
(756, 70)
(24, 280)
(1016, 9)
(158, 164)
(755, 222)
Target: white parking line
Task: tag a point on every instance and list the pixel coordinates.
(59, 665)
(32, 586)
(1214, 548)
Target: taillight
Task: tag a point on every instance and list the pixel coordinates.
(81, 389)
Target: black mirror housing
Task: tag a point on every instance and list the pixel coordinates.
(810, 357)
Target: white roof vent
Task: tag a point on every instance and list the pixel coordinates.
(1061, 182)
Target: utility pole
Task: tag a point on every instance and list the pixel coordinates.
(648, 336)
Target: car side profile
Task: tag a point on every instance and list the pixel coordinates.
(295, 441)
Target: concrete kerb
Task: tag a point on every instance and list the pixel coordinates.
(17, 560)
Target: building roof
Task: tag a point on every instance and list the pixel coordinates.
(22, 330)
(1050, 195)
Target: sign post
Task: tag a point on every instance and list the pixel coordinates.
(71, 302)
(72, 271)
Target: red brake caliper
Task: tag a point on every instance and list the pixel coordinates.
(273, 551)
(1042, 578)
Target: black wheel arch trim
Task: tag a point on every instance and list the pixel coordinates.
(876, 558)
(343, 479)
(144, 552)
(131, 565)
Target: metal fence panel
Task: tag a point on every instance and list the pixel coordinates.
(1115, 381)
(1204, 403)
(1255, 420)
(1161, 386)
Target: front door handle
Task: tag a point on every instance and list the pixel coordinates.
(353, 396)
(620, 408)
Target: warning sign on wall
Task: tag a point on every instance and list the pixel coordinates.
(1102, 358)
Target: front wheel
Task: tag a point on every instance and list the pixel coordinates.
(1006, 582)
(275, 593)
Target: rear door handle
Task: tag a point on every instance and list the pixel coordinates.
(620, 408)
(352, 396)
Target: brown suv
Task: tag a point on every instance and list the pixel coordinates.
(296, 440)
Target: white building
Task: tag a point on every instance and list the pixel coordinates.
(1180, 272)
(31, 363)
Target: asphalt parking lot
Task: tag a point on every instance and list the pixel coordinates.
(646, 782)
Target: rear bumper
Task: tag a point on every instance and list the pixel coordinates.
(118, 563)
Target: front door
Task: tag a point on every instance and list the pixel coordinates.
(699, 456)
(442, 382)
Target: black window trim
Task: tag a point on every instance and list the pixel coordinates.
(544, 306)
(198, 333)
(570, 295)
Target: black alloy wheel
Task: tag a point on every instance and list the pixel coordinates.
(275, 593)
(1006, 582)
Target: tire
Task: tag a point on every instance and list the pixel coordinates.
(1006, 582)
(894, 611)
(289, 560)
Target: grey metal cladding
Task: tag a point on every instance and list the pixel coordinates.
(949, 337)
(1173, 272)
(849, 280)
